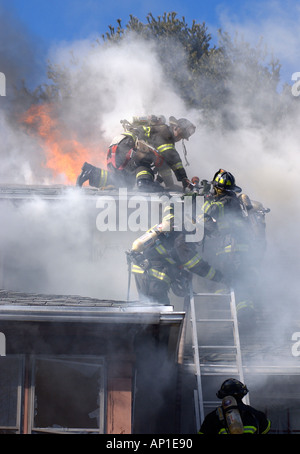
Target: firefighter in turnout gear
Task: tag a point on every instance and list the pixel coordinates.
(162, 260)
(233, 416)
(121, 165)
(162, 138)
(227, 238)
(143, 152)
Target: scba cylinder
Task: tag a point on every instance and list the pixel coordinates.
(232, 415)
(145, 241)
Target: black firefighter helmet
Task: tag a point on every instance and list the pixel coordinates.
(232, 387)
(225, 180)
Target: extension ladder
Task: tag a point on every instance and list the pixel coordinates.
(211, 321)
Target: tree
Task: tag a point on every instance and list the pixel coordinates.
(210, 78)
(217, 80)
(184, 52)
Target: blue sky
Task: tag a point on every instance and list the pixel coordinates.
(53, 20)
(50, 22)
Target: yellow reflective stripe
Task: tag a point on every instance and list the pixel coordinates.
(164, 147)
(221, 208)
(159, 275)
(143, 172)
(220, 205)
(243, 304)
(177, 166)
(163, 251)
(268, 428)
(147, 130)
(168, 216)
(103, 178)
(137, 269)
(247, 430)
(234, 248)
(211, 273)
(193, 262)
(206, 206)
(250, 429)
(168, 211)
(128, 134)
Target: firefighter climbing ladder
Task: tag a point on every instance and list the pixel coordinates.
(233, 368)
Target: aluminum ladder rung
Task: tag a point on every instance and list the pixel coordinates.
(211, 403)
(218, 346)
(211, 320)
(216, 369)
(212, 294)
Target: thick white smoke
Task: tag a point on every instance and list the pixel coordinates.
(51, 244)
(107, 83)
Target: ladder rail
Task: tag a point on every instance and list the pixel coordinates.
(198, 393)
(199, 404)
(237, 340)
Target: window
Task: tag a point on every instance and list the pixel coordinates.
(11, 377)
(67, 395)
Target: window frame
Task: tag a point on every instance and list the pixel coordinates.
(97, 361)
(19, 394)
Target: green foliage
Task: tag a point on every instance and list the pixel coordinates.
(213, 79)
(206, 77)
(184, 51)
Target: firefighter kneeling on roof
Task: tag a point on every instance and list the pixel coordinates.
(233, 416)
(162, 260)
(143, 155)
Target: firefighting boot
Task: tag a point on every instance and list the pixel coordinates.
(145, 180)
(91, 173)
(145, 185)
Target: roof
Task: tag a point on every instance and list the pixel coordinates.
(19, 306)
(15, 191)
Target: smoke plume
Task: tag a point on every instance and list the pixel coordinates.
(51, 244)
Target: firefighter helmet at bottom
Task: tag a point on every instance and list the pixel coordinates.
(232, 387)
(225, 180)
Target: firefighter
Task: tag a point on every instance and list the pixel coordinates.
(242, 419)
(227, 238)
(141, 154)
(162, 260)
(162, 137)
(121, 165)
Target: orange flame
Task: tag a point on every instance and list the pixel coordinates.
(64, 154)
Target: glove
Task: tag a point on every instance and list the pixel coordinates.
(138, 259)
(186, 183)
(219, 277)
(204, 187)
